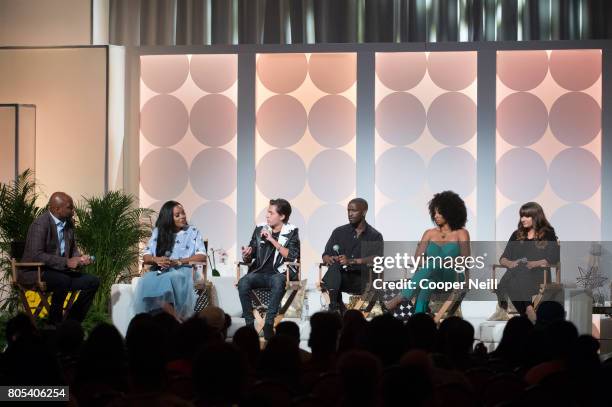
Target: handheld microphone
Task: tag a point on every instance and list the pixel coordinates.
(336, 248)
(167, 254)
(269, 230)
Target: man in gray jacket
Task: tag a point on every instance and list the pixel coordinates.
(51, 241)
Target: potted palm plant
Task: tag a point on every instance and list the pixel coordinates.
(18, 209)
(110, 228)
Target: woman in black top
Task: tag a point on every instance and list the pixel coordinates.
(531, 248)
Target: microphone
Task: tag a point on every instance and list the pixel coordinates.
(336, 248)
(269, 230)
(167, 254)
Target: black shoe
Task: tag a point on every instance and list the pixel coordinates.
(268, 331)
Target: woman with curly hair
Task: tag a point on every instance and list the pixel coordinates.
(447, 239)
(532, 248)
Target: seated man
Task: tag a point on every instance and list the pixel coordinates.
(348, 252)
(51, 241)
(272, 244)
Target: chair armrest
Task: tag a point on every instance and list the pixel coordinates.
(297, 266)
(194, 265)
(320, 266)
(15, 265)
(31, 264)
(238, 265)
(494, 267)
(557, 268)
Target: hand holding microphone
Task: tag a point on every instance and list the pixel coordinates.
(266, 234)
(164, 262)
(341, 258)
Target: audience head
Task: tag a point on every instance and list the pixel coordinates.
(69, 337)
(324, 330)
(246, 339)
(219, 375)
(193, 334)
(289, 329)
(548, 312)
(280, 359)
(103, 354)
(515, 337)
(386, 337)
(359, 371)
(28, 360)
(422, 331)
(148, 347)
(354, 327)
(19, 326)
(215, 319)
(455, 337)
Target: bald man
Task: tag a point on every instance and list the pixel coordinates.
(51, 241)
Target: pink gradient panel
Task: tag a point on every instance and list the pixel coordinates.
(391, 69)
(171, 130)
(305, 142)
(549, 139)
(400, 118)
(165, 73)
(213, 120)
(333, 73)
(425, 137)
(533, 123)
(522, 70)
(214, 73)
(332, 121)
(282, 73)
(188, 122)
(452, 71)
(281, 120)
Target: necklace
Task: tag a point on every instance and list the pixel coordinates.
(442, 234)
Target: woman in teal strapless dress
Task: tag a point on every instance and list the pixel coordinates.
(448, 239)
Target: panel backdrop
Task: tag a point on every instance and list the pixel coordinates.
(548, 139)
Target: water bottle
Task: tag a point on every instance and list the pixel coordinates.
(305, 308)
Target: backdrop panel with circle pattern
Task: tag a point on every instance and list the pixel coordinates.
(188, 120)
(548, 141)
(425, 137)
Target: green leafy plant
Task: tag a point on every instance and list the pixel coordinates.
(18, 209)
(110, 228)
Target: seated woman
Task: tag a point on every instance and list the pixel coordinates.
(532, 247)
(169, 284)
(448, 239)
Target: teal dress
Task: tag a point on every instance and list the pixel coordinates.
(448, 274)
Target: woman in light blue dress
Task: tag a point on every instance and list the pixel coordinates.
(169, 284)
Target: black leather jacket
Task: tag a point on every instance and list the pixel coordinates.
(261, 249)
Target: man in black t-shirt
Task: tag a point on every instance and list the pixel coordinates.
(348, 253)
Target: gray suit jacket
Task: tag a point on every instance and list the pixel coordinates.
(43, 246)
